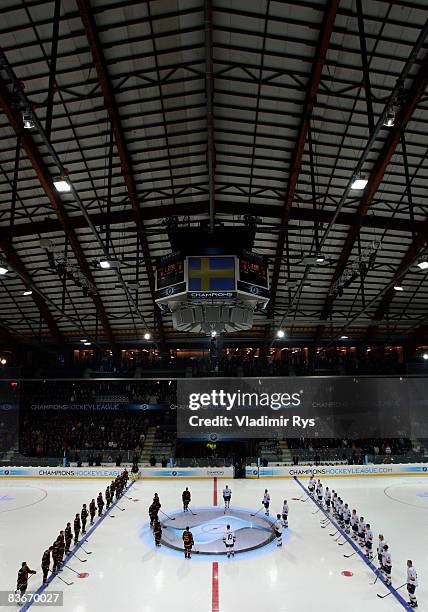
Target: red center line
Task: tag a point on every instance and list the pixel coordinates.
(215, 599)
(214, 578)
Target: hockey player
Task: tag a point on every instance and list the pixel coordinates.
(61, 548)
(278, 530)
(92, 510)
(354, 524)
(108, 497)
(153, 514)
(188, 543)
(361, 531)
(412, 583)
(346, 518)
(285, 514)
(327, 499)
(380, 546)
(369, 542)
(100, 503)
(311, 485)
(84, 517)
(67, 537)
(157, 532)
(46, 561)
(339, 510)
(186, 499)
(227, 494)
(76, 528)
(229, 540)
(319, 491)
(112, 489)
(266, 502)
(22, 581)
(386, 564)
(157, 501)
(55, 557)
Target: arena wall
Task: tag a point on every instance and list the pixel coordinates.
(414, 469)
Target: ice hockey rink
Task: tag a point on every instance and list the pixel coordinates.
(126, 571)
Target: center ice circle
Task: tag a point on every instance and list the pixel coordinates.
(208, 526)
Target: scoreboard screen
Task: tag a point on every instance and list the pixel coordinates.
(169, 270)
(253, 269)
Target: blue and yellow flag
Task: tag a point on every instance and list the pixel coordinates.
(211, 273)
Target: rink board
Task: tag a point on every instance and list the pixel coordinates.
(338, 471)
(110, 473)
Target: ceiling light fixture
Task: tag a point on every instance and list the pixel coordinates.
(425, 356)
(280, 333)
(105, 264)
(389, 120)
(398, 287)
(344, 337)
(3, 361)
(62, 184)
(87, 343)
(423, 262)
(27, 292)
(147, 336)
(359, 183)
(27, 119)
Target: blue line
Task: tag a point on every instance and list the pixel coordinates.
(76, 547)
(394, 592)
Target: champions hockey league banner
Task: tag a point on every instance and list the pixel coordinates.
(302, 407)
(149, 473)
(325, 471)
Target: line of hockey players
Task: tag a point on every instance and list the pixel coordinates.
(61, 546)
(362, 533)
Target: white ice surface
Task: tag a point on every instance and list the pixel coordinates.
(126, 572)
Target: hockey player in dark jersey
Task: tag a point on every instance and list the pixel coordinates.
(76, 528)
(156, 501)
(157, 532)
(67, 537)
(61, 548)
(46, 562)
(188, 543)
(100, 503)
(153, 514)
(112, 489)
(92, 510)
(84, 517)
(22, 581)
(108, 497)
(56, 556)
(186, 499)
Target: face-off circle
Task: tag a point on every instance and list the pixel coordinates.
(208, 527)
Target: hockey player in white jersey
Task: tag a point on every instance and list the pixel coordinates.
(412, 583)
(311, 485)
(381, 543)
(285, 514)
(361, 531)
(386, 564)
(227, 494)
(346, 518)
(266, 501)
(319, 491)
(229, 540)
(369, 542)
(278, 530)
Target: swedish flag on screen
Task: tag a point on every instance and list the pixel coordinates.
(211, 273)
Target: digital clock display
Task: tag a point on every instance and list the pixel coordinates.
(253, 270)
(169, 271)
